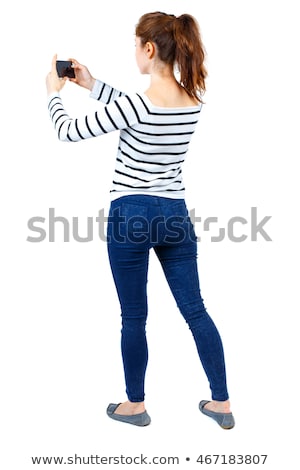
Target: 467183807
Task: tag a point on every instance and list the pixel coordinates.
(232, 459)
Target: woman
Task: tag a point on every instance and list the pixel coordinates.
(147, 197)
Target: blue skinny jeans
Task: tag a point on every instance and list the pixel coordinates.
(136, 224)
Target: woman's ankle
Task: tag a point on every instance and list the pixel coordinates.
(136, 405)
(130, 408)
(219, 406)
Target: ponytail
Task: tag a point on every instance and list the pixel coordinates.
(190, 55)
(178, 43)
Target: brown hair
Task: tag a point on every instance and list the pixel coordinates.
(178, 43)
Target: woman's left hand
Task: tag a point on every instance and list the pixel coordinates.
(53, 82)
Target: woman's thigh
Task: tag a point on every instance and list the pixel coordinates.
(178, 257)
(128, 250)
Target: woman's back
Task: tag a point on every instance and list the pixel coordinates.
(151, 150)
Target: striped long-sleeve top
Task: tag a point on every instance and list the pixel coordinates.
(153, 140)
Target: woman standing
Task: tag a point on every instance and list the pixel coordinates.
(148, 208)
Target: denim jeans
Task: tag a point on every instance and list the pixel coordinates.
(136, 224)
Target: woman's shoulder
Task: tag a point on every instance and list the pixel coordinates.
(173, 97)
(167, 104)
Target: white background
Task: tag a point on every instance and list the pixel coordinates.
(60, 319)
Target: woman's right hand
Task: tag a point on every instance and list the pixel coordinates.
(82, 76)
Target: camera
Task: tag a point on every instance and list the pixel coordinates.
(65, 69)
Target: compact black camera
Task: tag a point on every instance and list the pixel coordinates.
(64, 68)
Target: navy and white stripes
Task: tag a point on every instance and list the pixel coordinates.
(153, 140)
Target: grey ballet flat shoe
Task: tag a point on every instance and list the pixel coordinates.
(140, 419)
(225, 420)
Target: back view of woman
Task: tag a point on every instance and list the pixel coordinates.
(148, 209)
